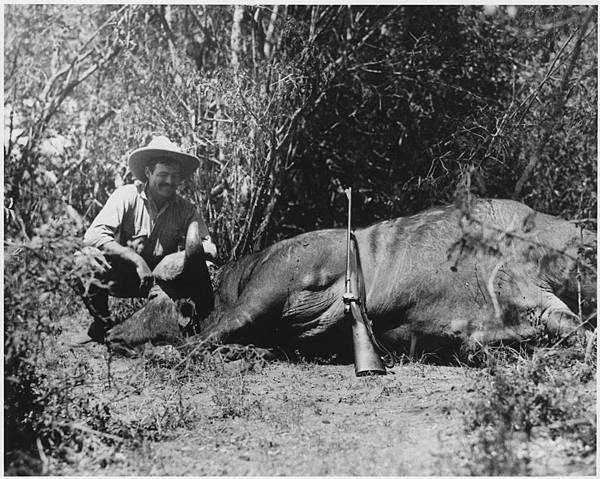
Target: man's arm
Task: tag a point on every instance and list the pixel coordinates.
(112, 248)
(198, 231)
(102, 234)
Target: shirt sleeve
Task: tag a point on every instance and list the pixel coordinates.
(105, 227)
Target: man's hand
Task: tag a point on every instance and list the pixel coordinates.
(145, 275)
(210, 249)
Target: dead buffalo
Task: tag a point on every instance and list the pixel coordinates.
(495, 271)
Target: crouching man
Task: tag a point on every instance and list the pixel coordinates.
(138, 226)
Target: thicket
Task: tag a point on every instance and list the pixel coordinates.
(286, 106)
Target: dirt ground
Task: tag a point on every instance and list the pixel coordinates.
(291, 419)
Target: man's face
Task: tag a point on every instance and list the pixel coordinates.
(164, 180)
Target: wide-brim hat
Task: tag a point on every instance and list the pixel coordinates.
(161, 147)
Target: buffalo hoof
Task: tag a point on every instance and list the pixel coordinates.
(562, 324)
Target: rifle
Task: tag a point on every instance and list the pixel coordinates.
(366, 359)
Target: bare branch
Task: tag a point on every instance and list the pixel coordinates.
(557, 106)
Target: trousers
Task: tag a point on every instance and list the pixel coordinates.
(98, 276)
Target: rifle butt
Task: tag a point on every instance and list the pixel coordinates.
(366, 360)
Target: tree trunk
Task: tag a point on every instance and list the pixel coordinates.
(236, 37)
(269, 34)
(258, 33)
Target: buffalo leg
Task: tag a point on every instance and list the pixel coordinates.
(501, 335)
(230, 327)
(558, 318)
(413, 346)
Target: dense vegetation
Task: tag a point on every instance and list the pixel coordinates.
(286, 106)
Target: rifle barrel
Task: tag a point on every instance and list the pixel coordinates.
(349, 195)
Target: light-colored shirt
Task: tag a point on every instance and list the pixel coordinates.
(132, 219)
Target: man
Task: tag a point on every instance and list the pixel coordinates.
(138, 226)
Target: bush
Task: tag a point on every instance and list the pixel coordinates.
(537, 397)
(34, 300)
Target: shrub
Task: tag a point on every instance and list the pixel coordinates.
(34, 301)
(533, 398)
